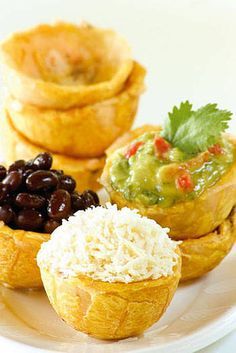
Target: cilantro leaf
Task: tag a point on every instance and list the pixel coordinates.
(176, 118)
(194, 131)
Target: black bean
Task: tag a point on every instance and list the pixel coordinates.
(30, 165)
(58, 172)
(29, 220)
(51, 225)
(95, 197)
(17, 165)
(6, 214)
(25, 200)
(25, 175)
(35, 198)
(59, 205)
(3, 172)
(9, 200)
(67, 183)
(90, 198)
(13, 180)
(43, 161)
(46, 194)
(4, 189)
(41, 180)
(77, 202)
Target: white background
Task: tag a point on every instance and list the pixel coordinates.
(188, 48)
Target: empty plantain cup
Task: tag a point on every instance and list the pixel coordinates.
(202, 255)
(109, 273)
(65, 65)
(80, 132)
(85, 171)
(186, 219)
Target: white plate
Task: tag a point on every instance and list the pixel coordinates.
(201, 312)
(189, 51)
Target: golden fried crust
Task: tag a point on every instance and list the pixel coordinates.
(63, 65)
(80, 132)
(110, 310)
(129, 136)
(190, 219)
(18, 251)
(85, 171)
(202, 255)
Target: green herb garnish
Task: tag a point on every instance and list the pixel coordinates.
(194, 131)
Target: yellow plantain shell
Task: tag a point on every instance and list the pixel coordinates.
(80, 132)
(202, 255)
(110, 310)
(129, 136)
(190, 219)
(85, 171)
(64, 65)
(18, 251)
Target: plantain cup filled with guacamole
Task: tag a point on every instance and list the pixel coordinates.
(182, 175)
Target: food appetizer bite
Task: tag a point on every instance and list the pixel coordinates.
(80, 132)
(85, 171)
(183, 176)
(33, 201)
(203, 254)
(110, 273)
(63, 65)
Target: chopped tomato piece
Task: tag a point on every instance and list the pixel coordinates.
(133, 149)
(184, 182)
(215, 149)
(161, 145)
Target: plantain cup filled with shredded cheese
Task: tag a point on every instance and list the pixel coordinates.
(110, 273)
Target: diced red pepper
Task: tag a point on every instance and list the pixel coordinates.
(215, 149)
(161, 145)
(184, 182)
(133, 149)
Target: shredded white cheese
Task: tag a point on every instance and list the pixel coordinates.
(110, 245)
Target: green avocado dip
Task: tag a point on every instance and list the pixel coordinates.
(151, 171)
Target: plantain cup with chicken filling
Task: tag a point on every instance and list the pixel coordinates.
(183, 176)
(33, 201)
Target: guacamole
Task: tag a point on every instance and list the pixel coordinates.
(152, 172)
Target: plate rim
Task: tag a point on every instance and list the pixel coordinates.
(212, 332)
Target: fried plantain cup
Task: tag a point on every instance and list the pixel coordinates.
(188, 219)
(80, 132)
(18, 251)
(64, 65)
(202, 255)
(85, 171)
(110, 310)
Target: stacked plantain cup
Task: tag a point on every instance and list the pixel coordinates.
(205, 226)
(71, 90)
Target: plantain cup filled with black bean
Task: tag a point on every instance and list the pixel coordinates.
(34, 199)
